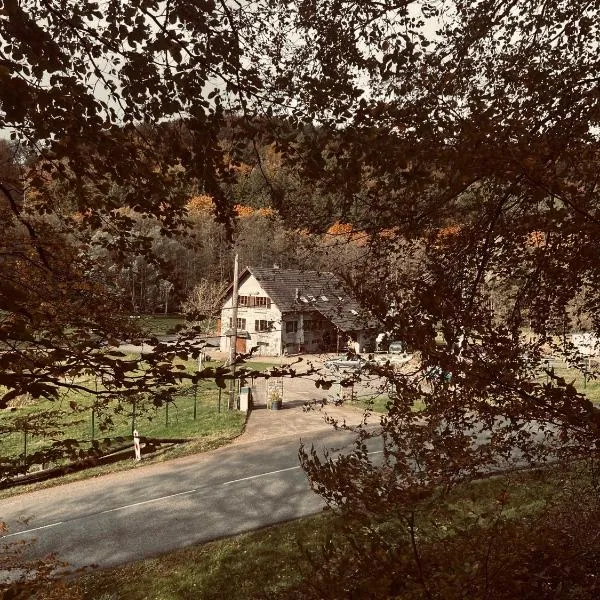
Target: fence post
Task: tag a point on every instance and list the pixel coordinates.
(136, 445)
(93, 405)
(24, 446)
(219, 410)
(133, 417)
(195, 399)
(166, 414)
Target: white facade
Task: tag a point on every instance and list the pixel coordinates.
(269, 341)
(587, 344)
(273, 332)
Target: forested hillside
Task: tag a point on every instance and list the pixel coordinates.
(279, 218)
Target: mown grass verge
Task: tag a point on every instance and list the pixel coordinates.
(198, 413)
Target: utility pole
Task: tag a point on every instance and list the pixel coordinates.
(233, 340)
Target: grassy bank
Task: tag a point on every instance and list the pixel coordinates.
(198, 413)
(586, 383)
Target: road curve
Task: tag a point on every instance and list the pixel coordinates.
(152, 509)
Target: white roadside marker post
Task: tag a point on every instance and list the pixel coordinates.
(136, 445)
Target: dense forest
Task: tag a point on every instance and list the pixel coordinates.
(157, 273)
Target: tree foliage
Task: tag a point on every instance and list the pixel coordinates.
(462, 133)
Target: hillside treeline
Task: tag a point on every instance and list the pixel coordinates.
(148, 267)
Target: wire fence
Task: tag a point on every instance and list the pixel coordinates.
(194, 411)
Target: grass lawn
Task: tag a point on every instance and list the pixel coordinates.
(161, 324)
(586, 384)
(198, 412)
(73, 413)
(269, 561)
(241, 567)
(377, 404)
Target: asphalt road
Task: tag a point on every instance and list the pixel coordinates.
(152, 509)
(156, 508)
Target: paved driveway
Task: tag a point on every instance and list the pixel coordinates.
(305, 407)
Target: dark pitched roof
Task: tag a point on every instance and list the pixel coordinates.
(292, 290)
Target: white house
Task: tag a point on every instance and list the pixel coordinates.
(284, 311)
(586, 344)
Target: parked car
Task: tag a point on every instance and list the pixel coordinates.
(396, 355)
(350, 362)
(437, 375)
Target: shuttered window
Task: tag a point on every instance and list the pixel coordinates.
(260, 325)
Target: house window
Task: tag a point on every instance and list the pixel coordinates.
(241, 323)
(291, 326)
(250, 301)
(262, 301)
(308, 325)
(260, 325)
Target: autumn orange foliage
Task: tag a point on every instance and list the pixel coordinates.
(265, 212)
(204, 203)
(200, 204)
(340, 229)
(449, 232)
(241, 210)
(348, 233)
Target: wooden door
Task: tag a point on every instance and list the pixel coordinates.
(240, 345)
